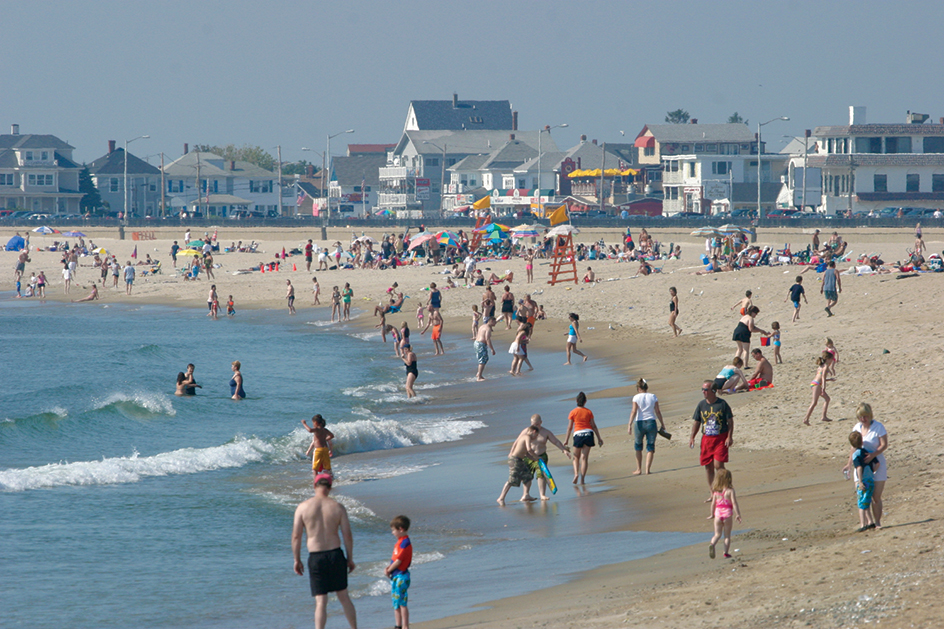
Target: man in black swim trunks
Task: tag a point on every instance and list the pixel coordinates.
(320, 518)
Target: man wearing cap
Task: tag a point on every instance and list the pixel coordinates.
(320, 518)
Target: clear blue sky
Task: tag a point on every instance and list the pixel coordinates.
(268, 73)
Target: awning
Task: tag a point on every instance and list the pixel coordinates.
(645, 142)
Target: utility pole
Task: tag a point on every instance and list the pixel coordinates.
(806, 151)
(197, 206)
(280, 180)
(442, 184)
(163, 185)
(602, 181)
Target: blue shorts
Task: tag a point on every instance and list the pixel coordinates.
(398, 589)
(481, 352)
(864, 496)
(584, 441)
(831, 295)
(648, 430)
(796, 304)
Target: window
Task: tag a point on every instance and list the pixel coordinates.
(113, 184)
(934, 145)
(691, 169)
(720, 168)
(522, 184)
(40, 180)
(730, 149)
(152, 187)
(29, 156)
(451, 161)
(475, 119)
(464, 179)
(711, 148)
(672, 166)
(897, 145)
(357, 188)
(868, 145)
(432, 161)
(880, 183)
(44, 156)
(937, 183)
(472, 181)
(649, 151)
(699, 148)
(653, 175)
(912, 183)
(684, 148)
(175, 185)
(6, 179)
(260, 186)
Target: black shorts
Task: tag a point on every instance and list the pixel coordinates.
(719, 384)
(584, 441)
(327, 571)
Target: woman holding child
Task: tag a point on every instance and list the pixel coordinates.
(875, 441)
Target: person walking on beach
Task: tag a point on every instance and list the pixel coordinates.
(290, 296)
(346, 296)
(507, 306)
(483, 343)
(583, 428)
(21, 261)
(674, 311)
(796, 291)
(714, 418)
(573, 337)
(409, 359)
(519, 470)
(643, 416)
(831, 286)
(309, 251)
(539, 447)
(66, 277)
(320, 448)
(818, 387)
(875, 440)
(211, 297)
(129, 277)
(335, 303)
(174, 248)
(316, 292)
(744, 304)
(724, 504)
(320, 518)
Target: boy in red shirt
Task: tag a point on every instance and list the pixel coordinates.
(399, 571)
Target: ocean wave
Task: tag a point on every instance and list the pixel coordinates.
(381, 587)
(371, 389)
(136, 405)
(365, 435)
(131, 469)
(321, 324)
(365, 336)
(149, 350)
(52, 414)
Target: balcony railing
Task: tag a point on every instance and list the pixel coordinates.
(397, 172)
(387, 198)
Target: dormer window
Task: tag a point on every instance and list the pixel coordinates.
(29, 156)
(475, 119)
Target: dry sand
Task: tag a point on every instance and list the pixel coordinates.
(801, 563)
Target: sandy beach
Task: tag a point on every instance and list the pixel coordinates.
(798, 559)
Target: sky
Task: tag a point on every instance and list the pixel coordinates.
(289, 73)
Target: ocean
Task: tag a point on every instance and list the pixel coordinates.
(122, 505)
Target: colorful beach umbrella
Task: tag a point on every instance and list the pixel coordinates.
(74, 234)
(46, 230)
(491, 227)
(448, 238)
(195, 243)
(706, 232)
(420, 239)
(731, 229)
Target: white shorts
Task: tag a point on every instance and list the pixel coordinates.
(572, 339)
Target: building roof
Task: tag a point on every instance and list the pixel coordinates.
(795, 146)
(32, 141)
(456, 115)
(358, 149)
(550, 161)
(468, 142)
(879, 129)
(310, 189)
(351, 171)
(471, 162)
(114, 164)
(875, 159)
(727, 132)
(512, 153)
(214, 166)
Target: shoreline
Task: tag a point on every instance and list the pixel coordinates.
(775, 461)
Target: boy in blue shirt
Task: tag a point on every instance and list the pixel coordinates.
(399, 571)
(862, 475)
(796, 291)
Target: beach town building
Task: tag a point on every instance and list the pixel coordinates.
(354, 181)
(37, 174)
(144, 181)
(193, 179)
(460, 115)
(701, 165)
(865, 167)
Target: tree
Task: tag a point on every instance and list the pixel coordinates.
(246, 153)
(297, 168)
(679, 116)
(92, 200)
(735, 118)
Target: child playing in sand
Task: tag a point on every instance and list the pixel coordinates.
(796, 291)
(399, 571)
(864, 483)
(819, 389)
(775, 340)
(744, 304)
(476, 319)
(724, 504)
(320, 447)
(832, 359)
(541, 314)
(230, 308)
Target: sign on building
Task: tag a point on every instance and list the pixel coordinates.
(717, 189)
(422, 189)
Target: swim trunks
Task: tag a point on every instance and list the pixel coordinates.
(327, 571)
(481, 352)
(437, 332)
(713, 449)
(321, 460)
(831, 295)
(864, 496)
(518, 471)
(20, 266)
(399, 585)
(536, 468)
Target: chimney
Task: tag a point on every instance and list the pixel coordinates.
(186, 148)
(111, 147)
(455, 101)
(856, 114)
(14, 129)
(310, 170)
(232, 164)
(511, 136)
(694, 121)
(594, 141)
(514, 121)
(583, 138)
(808, 133)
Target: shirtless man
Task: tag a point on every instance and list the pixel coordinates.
(590, 277)
(519, 464)
(290, 296)
(320, 518)
(483, 343)
(539, 447)
(21, 261)
(763, 370)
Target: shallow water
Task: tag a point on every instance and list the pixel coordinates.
(125, 506)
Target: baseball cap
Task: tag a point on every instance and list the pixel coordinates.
(324, 479)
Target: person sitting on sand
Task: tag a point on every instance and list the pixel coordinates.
(644, 268)
(763, 371)
(495, 279)
(590, 277)
(91, 297)
(731, 379)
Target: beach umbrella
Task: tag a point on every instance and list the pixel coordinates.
(364, 239)
(706, 232)
(526, 231)
(384, 213)
(731, 229)
(74, 234)
(448, 238)
(563, 230)
(46, 230)
(188, 252)
(195, 243)
(491, 227)
(101, 251)
(420, 239)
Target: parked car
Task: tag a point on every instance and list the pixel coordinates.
(742, 212)
(778, 213)
(688, 215)
(919, 212)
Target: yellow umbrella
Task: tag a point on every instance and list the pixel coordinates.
(188, 252)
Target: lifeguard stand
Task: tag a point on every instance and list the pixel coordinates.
(481, 220)
(564, 260)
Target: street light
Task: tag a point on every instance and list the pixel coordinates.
(541, 156)
(442, 176)
(759, 153)
(127, 142)
(326, 158)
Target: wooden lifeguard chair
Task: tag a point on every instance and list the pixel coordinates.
(564, 259)
(481, 220)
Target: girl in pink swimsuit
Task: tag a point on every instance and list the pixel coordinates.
(724, 504)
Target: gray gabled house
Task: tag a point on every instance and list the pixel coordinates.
(459, 115)
(144, 181)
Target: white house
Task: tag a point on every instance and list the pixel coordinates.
(198, 175)
(37, 173)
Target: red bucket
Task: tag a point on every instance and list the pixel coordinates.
(765, 341)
